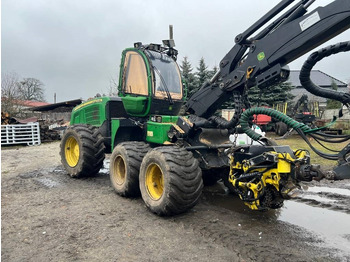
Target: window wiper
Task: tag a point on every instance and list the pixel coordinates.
(165, 87)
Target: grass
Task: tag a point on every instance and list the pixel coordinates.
(296, 142)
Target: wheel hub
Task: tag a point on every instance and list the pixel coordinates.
(119, 170)
(154, 181)
(72, 151)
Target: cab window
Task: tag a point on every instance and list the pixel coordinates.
(166, 75)
(135, 74)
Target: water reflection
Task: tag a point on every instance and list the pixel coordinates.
(333, 227)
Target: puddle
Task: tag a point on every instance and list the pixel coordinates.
(339, 191)
(333, 227)
(317, 198)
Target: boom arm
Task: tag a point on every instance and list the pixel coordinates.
(260, 60)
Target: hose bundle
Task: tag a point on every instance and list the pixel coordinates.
(302, 129)
(309, 64)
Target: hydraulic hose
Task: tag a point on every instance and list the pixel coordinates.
(223, 123)
(244, 120)
(301, 128)
(309, 64)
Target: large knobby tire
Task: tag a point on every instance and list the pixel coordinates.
(281, 128)
(82, 150)
(170, 180)
(124, 167)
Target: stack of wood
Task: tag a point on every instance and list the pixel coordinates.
(47, 134)
(6, 119)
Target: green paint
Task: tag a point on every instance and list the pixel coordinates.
(135, 105)
(157, 132)
(115, 123)
(261, 56)
(92, 112)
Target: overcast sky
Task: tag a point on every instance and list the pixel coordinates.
(74, 46)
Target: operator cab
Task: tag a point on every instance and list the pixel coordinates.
(150, 81)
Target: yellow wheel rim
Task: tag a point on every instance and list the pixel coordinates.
(119, 170)
(72, 151)
(154, 181)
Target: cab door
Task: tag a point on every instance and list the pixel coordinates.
(135, 83)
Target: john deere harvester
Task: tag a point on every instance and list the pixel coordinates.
(166, 157)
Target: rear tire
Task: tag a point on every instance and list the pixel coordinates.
(281, 128)
(124, 167)
(82, 150)
(170, 180)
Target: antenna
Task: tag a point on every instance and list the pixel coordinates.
(171, 36)
(170, 43)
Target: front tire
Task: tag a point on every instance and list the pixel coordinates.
(170, 180)
(124, 167)
(82, 150)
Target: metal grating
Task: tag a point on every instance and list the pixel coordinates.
(20, 134)
(92, 115)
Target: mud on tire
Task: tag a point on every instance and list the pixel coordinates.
(124, 167)
(170, 180)
(82, 150)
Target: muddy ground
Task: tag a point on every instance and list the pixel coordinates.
(48, 216)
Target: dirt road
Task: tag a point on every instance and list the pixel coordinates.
(48, 216)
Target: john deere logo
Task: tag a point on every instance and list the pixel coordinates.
(261, 56)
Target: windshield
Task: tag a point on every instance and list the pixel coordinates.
(167, 76)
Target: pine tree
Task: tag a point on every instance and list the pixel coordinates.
(212, 72)
(187, 76)
(202, 73)
(271, 95)
(333, 104)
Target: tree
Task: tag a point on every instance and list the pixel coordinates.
(9, 93)
(271, 95)
(188, 76)
(14, 91)
(202, 73)
(31, 89)
(212, 72)
(333, 104)
(113, 87)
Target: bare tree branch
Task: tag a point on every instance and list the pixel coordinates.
(10, 93)
(31, 89)
(113, 87)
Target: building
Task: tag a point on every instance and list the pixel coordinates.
(56, 111)
(319, 78)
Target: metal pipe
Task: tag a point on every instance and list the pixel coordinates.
(208, 147)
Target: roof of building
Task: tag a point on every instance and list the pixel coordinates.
(26, 103)
(49, 107)
(30, 103)
(318, 77)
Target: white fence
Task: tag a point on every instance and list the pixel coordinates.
(329, 113)
(20, 134)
